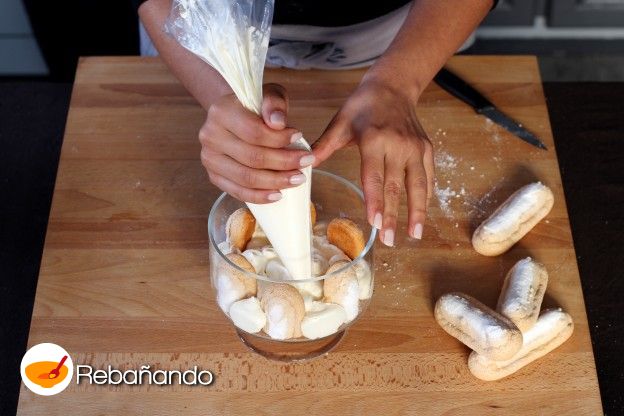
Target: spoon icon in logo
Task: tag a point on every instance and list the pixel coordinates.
(55, 372)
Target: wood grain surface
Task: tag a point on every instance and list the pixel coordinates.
(124, 275)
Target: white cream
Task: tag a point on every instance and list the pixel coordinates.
(227, 293)
(275, 270)
(319, 263)
(277, 322)
(322, 320)
(286, 223)
(248, 315)
(269, 253)
(328, 250)
(308, 302)
(256, 259)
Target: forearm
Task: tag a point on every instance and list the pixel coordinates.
(431, 33)
(199, 78)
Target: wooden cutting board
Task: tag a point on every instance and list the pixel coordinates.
(124, 275)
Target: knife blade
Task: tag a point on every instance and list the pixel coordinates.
(459, 88)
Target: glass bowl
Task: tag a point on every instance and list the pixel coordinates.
(333, 197)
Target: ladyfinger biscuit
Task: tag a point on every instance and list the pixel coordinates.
(552, 329)
(343, 289)
(232, 284)
(479, 327)
(513, 219)
(522, 294)
(257, 243)
(364, 277)
(240, 227)
(284, 309)
(312, 214)
(347, 236)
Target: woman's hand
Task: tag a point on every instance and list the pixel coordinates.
(244, 153)
(395, 151)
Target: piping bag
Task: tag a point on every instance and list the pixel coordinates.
(233, 37)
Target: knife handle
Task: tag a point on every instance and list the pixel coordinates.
(460, 89)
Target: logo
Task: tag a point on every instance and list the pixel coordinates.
(47, 369)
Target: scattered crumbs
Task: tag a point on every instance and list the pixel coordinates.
(456, 225)
(547, 221)
(384, 286)
(444, 160)
(471, 167)
(385, 264)
(137, 184)
(491, 128)
(444, 197)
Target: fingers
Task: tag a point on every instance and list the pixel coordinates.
(417, 185)
(253, 156)
(247, 177)
(372, 174)
(256, 196)
(429, 168)
(275, 106)
(384, 172)
(230, 115)
(393, 184)
(336, 135)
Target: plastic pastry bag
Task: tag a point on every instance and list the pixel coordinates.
(233, 37)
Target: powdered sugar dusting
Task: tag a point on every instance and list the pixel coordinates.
(456, 177)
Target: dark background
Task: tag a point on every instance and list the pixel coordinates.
(587, 121)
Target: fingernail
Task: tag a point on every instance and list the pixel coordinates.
(377, 221)
(297, 179)
(275, 196)
(388, 238)
(307, 160)
(277, 117)
(418, 230)
(295, 137)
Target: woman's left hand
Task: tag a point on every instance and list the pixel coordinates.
(395, 152)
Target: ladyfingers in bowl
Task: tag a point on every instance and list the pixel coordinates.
(280, 306)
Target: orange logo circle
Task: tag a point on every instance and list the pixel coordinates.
(46, 369)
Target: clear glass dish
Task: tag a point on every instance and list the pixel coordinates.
(333, 197)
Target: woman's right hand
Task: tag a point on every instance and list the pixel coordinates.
(244, 153)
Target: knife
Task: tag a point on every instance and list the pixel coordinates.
(460, 89)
